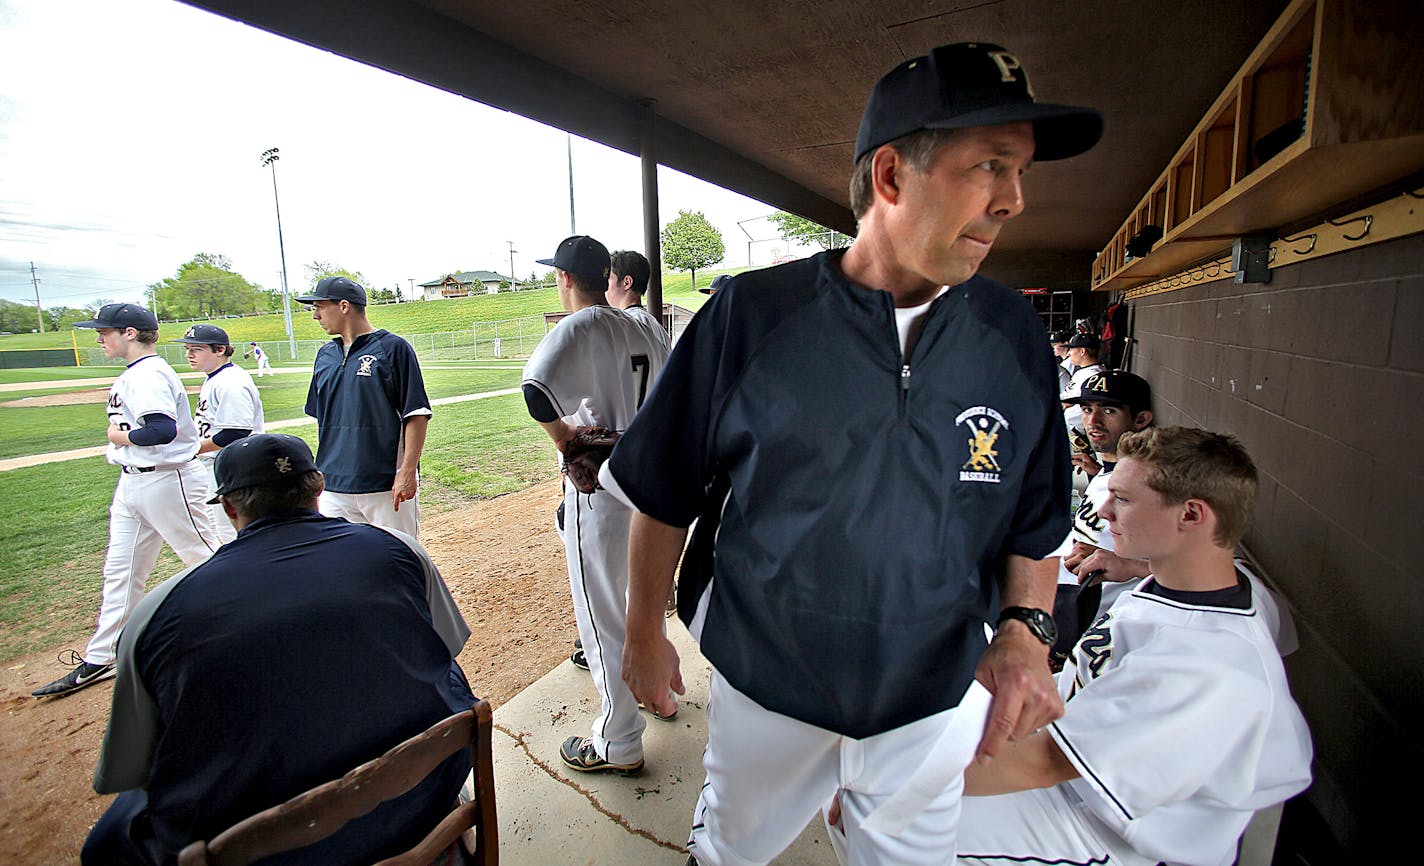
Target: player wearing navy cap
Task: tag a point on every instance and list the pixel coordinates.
(1180, 722)
(162, 492)
(371, 411)
(871, 445)
(1083, 355)
(594, 370)
(305, 646)
(229, 405)
(264, 366)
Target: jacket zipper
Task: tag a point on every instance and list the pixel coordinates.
(904, 388)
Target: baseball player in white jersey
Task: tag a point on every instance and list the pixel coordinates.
(162, 492)
(1112, 402)
(1083, 354)
(264, 365)
(1179, 722)
(594, 369)
(628, 273)
(229, 406)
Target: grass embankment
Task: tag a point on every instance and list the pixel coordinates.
(418, 317)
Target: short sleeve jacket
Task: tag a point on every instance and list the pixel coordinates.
(866, 500)
(360, 400)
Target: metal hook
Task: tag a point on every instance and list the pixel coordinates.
(1369, 220)
(1308, 250)
(1414, 193)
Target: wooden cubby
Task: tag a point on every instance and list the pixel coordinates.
(1329, 106)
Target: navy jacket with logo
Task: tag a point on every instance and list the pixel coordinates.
(360, 400)
(866, 501)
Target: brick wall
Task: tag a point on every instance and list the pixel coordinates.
(1321, 374)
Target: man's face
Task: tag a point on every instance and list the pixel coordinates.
(1106, 422)
(1060, 350)
(946, 218)
(113, 341)
(329, 315)
(1142, 523)
(202, 357)
(1079, 356)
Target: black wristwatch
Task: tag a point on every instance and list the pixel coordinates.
(1040, 622)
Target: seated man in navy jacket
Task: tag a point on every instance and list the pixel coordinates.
(301, 649)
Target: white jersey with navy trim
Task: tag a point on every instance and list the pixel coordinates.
(1073, 415)
(643, 316)
(150, 387)
(1181, 724)
(229, 400)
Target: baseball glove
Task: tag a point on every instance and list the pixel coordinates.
(585, 452)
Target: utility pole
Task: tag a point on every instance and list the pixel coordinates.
(39, 311)
(512, 251)
(572, 229)
(411, 281)
(269, 158)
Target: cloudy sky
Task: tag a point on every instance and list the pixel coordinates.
(130, 140)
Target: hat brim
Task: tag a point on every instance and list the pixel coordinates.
(92, 323)
(1059, 131)
(307, 299)
(1080, 399)
(548, 262)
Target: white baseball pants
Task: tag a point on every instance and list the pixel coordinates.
(1048, 825)
(148, 509)
(264, 366)
(768, 774)
(596, 548)
(375, 509)
(222, 524)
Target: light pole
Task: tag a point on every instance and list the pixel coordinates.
(513, 284)
(269, 158)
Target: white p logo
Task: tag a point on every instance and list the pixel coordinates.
(1008, 65)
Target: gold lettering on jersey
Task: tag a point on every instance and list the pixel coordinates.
(366, 362)
(1009, 65)
(985, 426)
(1094, 650)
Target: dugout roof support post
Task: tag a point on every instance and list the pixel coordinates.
(652, 244)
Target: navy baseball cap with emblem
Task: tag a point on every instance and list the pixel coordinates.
(1083, 341)
(581, 255)
(261, 459)
(122, 316)
(204, 335)
(1115, 386)
(336, 289)
(970, 84)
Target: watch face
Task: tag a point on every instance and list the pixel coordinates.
(1039, 622)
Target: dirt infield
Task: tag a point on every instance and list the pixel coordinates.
(504, 565)
(75, 398)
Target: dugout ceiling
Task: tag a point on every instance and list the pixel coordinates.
(765, 97)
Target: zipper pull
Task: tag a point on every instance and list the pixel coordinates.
(905, 378)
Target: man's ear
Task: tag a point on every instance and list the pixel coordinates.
(1143, 420)
(886, 167)
(1196, 515)
(228, 509)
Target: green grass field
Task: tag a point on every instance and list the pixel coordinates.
(420, 317)
(54, 518)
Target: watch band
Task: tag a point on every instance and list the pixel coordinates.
(1040, 622)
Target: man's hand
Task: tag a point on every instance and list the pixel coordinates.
(1104, 566)
(404, 488)
(1086, 464)
(118, 437)
(1081, 551)
(650, 668)
(1015, 670)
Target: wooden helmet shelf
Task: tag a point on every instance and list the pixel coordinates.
(1329, 106)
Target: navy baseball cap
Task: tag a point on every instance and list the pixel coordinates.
(1083, 341)
(207, 335)
(1115, 386)
(1060, 336)
(122, 316)
(336, 289)
(971, 84)
(581, 255)
(261, 459)
(717, 283)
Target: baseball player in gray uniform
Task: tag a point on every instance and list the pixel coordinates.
(1179, 722)
(264, 365)
(162, 492)
(594, 369)
(628, 273)
(229, 406)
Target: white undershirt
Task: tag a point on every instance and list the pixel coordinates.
(909, 320)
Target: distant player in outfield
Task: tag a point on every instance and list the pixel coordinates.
(368, 399)
(229, 406)
(162, 492)
(594, 369)
(628, 273)
(1179, 722)
(264, 366)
